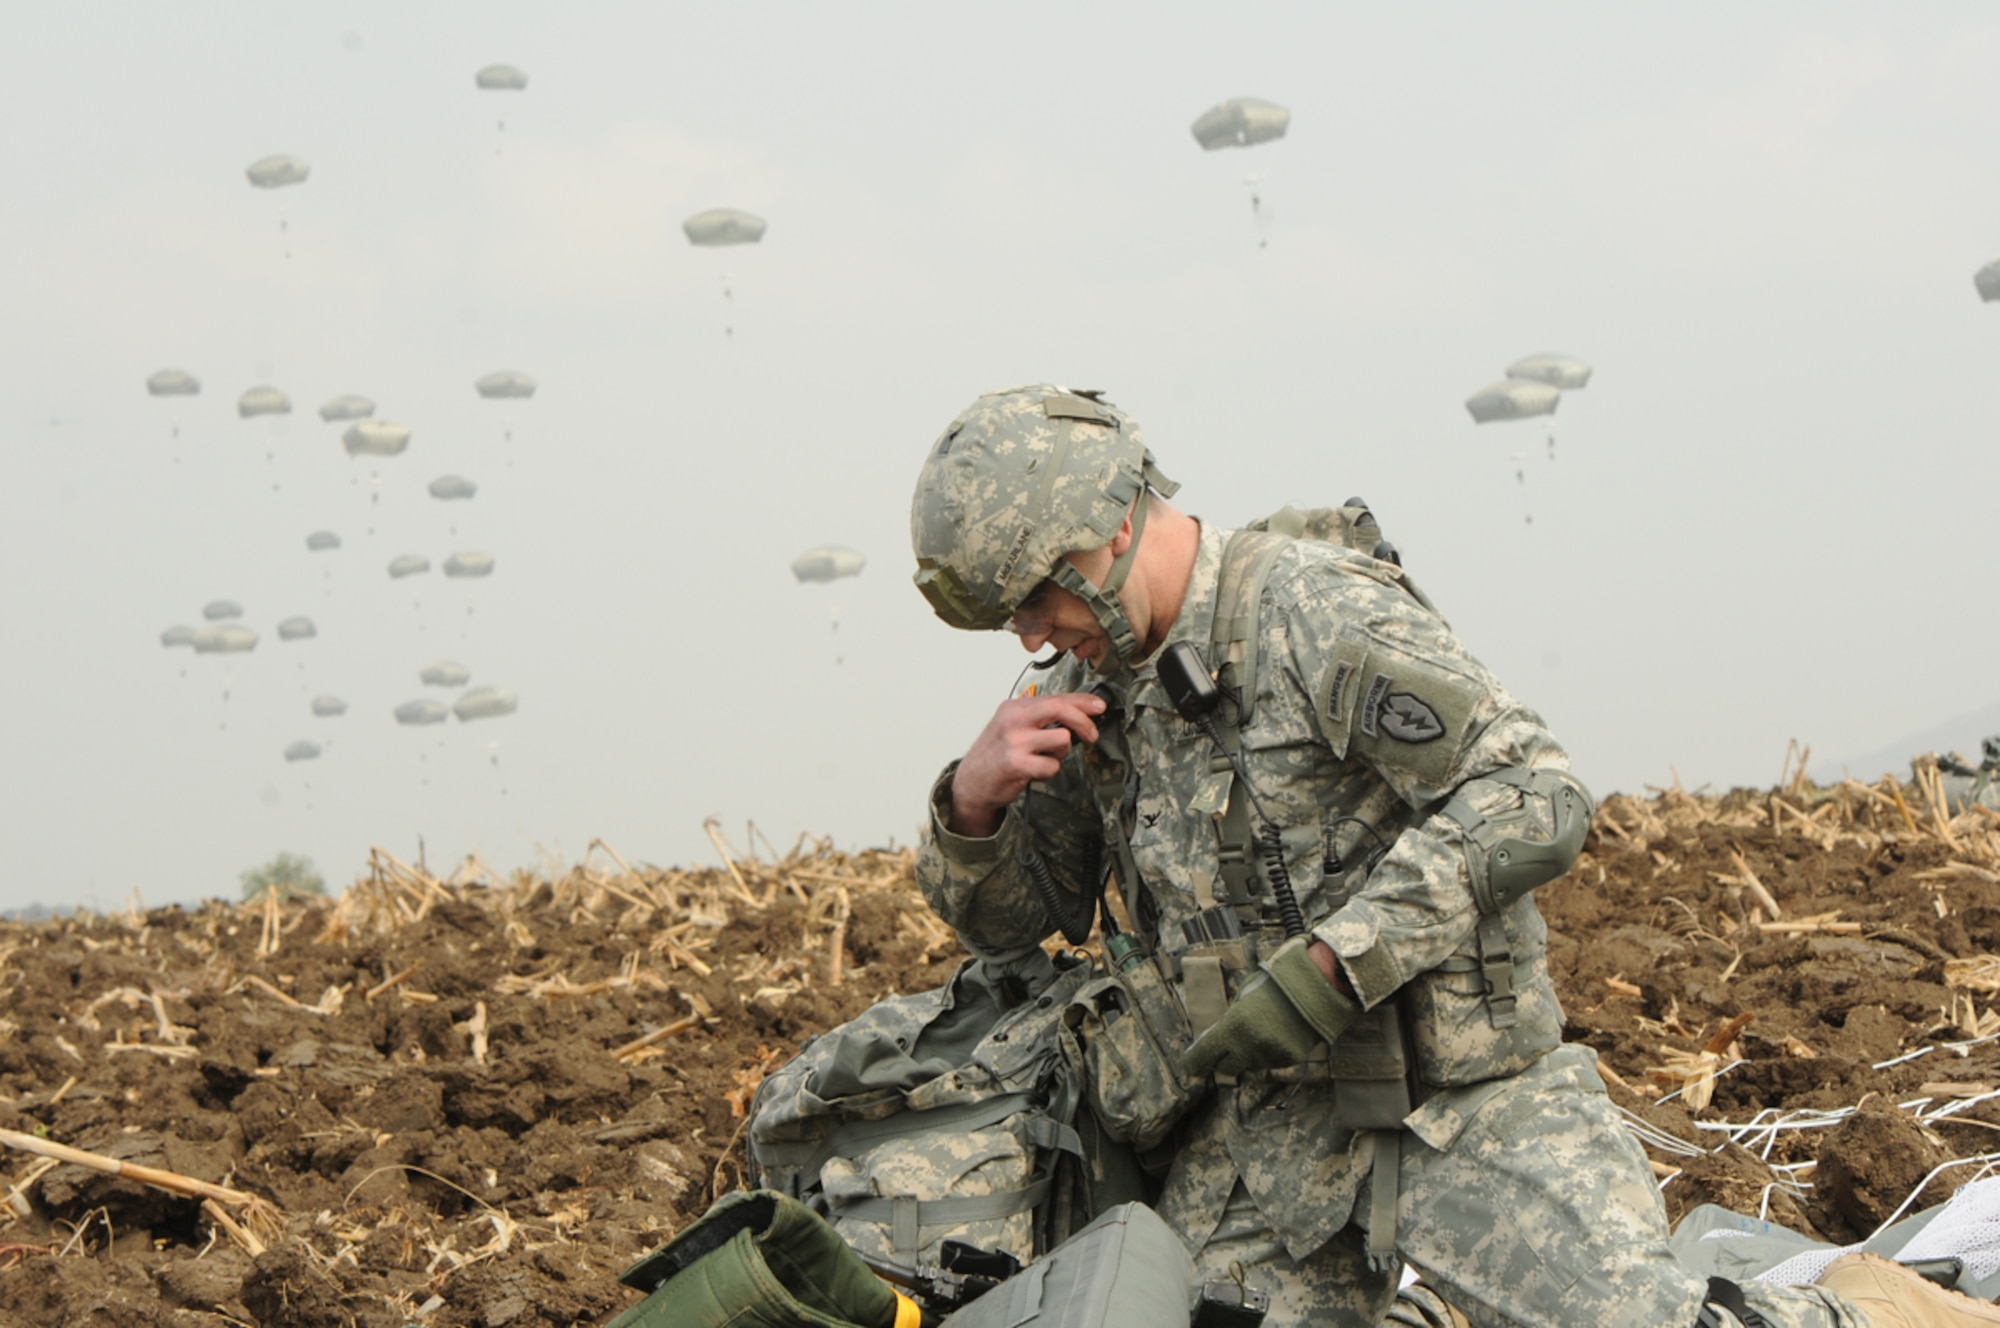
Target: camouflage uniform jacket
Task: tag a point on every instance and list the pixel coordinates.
(1341, 640)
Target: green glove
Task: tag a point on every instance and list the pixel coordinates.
(1276, 1020)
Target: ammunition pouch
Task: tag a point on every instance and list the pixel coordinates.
(1127, 1029)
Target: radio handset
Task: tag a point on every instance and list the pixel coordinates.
(1195, 696)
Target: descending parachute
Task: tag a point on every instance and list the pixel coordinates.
(1242, 122)
(177, 636)
(1559, 371)
(500, 78)
(277, 172)
(303, 750)
(327, 707)
(444, 673)
(263, 401)
(505, 384)
(409, 564)
(828, 562)
(466, 562)
(485, 703)
(322, 540)
(217, 610)
(1987, 281)
(721, 226)
(226, 639)
(297, 629)
(1512, 399)
(375, 438)
(173, 383)
(424, 711)
(1239, 123)
(347, 407)
(452, 487)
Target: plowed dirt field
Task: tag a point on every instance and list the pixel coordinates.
(469, 1103)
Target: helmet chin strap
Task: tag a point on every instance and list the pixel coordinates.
(1103, 600)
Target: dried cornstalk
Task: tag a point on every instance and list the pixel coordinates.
(475, 1027)
(1978, 973)
(1719, 1044)
(171, 1181)
(236, 1231)
(1755, 886)
(713, 825)
(1802, 928)
(639, 1044)
(386, 983)
(267, 943)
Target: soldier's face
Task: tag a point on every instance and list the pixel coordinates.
(1053, 616)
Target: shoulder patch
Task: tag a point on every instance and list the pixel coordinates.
(1406, 718)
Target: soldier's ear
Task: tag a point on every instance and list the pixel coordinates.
(1122, 540)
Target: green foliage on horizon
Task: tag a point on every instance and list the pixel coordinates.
(290, 874)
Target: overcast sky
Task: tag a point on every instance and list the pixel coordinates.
(1769, 516)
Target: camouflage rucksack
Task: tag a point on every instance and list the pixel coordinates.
(944, 1115)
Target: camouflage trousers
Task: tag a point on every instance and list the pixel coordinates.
(1542, 1212)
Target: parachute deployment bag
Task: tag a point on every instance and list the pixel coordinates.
(759, 1260)
(945, 1115)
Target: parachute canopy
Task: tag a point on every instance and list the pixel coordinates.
(485, 703)
(720, 226)
(409, 564)
(504, 384)
(500, 78)
(216, 610)
(424, 711)
(828, 562)
(1987, 280)
(1239, 123)
(177, 636)
(444, 673)
(263, 401)
(347, 407)
(375, 438)
(276, 172)
(327, 706)
(1512, 399)
(173, 383)
(1563, 371)
(297, 629)
(468, 563)
(451, 487)
(225, 639)
(322, 540)
(303, 750)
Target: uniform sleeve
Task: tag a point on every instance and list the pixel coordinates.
(980, 887)
(1392, 688)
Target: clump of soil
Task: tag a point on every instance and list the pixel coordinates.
(470, 1103)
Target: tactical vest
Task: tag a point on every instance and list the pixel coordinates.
(1382, 1068)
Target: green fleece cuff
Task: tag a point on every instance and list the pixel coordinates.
(1307, 989)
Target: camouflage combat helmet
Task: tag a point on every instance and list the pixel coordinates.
(1019, 479)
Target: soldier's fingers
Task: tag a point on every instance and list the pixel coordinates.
(1075, 711)
(1055, 741)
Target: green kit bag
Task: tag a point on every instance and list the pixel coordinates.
(759, 1260)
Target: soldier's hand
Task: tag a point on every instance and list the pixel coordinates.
(1276, 1020)
(1026, 740)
